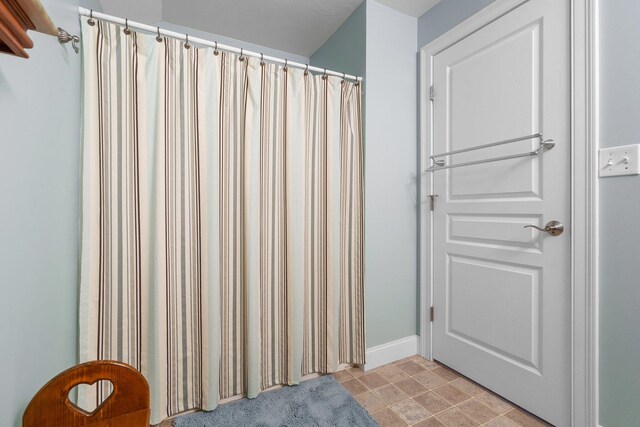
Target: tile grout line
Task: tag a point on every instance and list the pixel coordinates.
(453, 405)
(426, 368)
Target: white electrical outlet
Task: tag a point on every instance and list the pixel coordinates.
(618, 161)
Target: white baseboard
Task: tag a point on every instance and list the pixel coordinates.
(391, 351)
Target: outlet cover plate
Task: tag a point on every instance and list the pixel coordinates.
(619, 161)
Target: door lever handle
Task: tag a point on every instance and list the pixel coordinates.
(555, 228)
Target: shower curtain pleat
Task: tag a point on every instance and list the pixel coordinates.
(295, 149)
(208, 83)
(222, 220)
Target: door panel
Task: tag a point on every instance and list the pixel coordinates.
(514, 318)
(499, 231)
(502, 291)
(502, 80)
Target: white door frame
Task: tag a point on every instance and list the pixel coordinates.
(584, 195)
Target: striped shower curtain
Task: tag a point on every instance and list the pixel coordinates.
(222, 219)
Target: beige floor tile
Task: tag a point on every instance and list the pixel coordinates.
(524, 419)
(390, 394)
(370, 402)
(387, 418)
(410, 411)
(372, 380)
(494, 402)
(410, 387)
(411, 367)
(467, 386)
(476, 410)
(452, 394)
(391, 373)
(342, 376)
(416, 388)
(430, 422)
(502, 422)
(432, 402)
(406, 359)
(454, 417)
(422, 361)
(446, 373)
(355, 372)
(429, 379)
(354, 387)
(428, 364)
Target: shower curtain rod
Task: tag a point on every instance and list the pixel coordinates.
(157, 30)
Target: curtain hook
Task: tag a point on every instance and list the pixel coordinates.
(91, 21)
(159, 37)
(241, 59)
(286, 65)
(324, 75)
(262, 59)
(126, 30)
(186, 44)
(215, 51)
(306, 70)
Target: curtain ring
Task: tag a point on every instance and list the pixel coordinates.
(343, 77)
(286, 65)
(306, 70)
(324, 75)
(90, 21)
(215, 51)
(126, 30)
(262, 59)
(186, 44)
(241, 59)
(357, 81)
(159, 37)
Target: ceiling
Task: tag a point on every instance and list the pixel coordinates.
(296, 26)
(415, 8)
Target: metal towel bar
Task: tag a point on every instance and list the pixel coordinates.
(439, 164)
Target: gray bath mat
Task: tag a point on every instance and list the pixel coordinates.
(317, 402)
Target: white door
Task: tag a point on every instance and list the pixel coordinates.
(502, 291)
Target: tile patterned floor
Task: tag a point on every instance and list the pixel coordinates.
(418, 392)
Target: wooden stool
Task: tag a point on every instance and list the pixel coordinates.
(128, 404)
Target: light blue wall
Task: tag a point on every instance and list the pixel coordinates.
(345, 49)
(390, 175)
(380, 43)
(619, 217)
(39, 180)
(446, 15)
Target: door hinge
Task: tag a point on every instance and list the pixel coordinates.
(431, 93)
(431, 316)
(433, 201)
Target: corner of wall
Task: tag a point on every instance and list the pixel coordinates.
(390, 352)
(391, 273)
(345, 51)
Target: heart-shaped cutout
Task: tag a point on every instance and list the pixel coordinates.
(87, 398)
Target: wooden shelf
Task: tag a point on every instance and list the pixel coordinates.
(16, 18)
